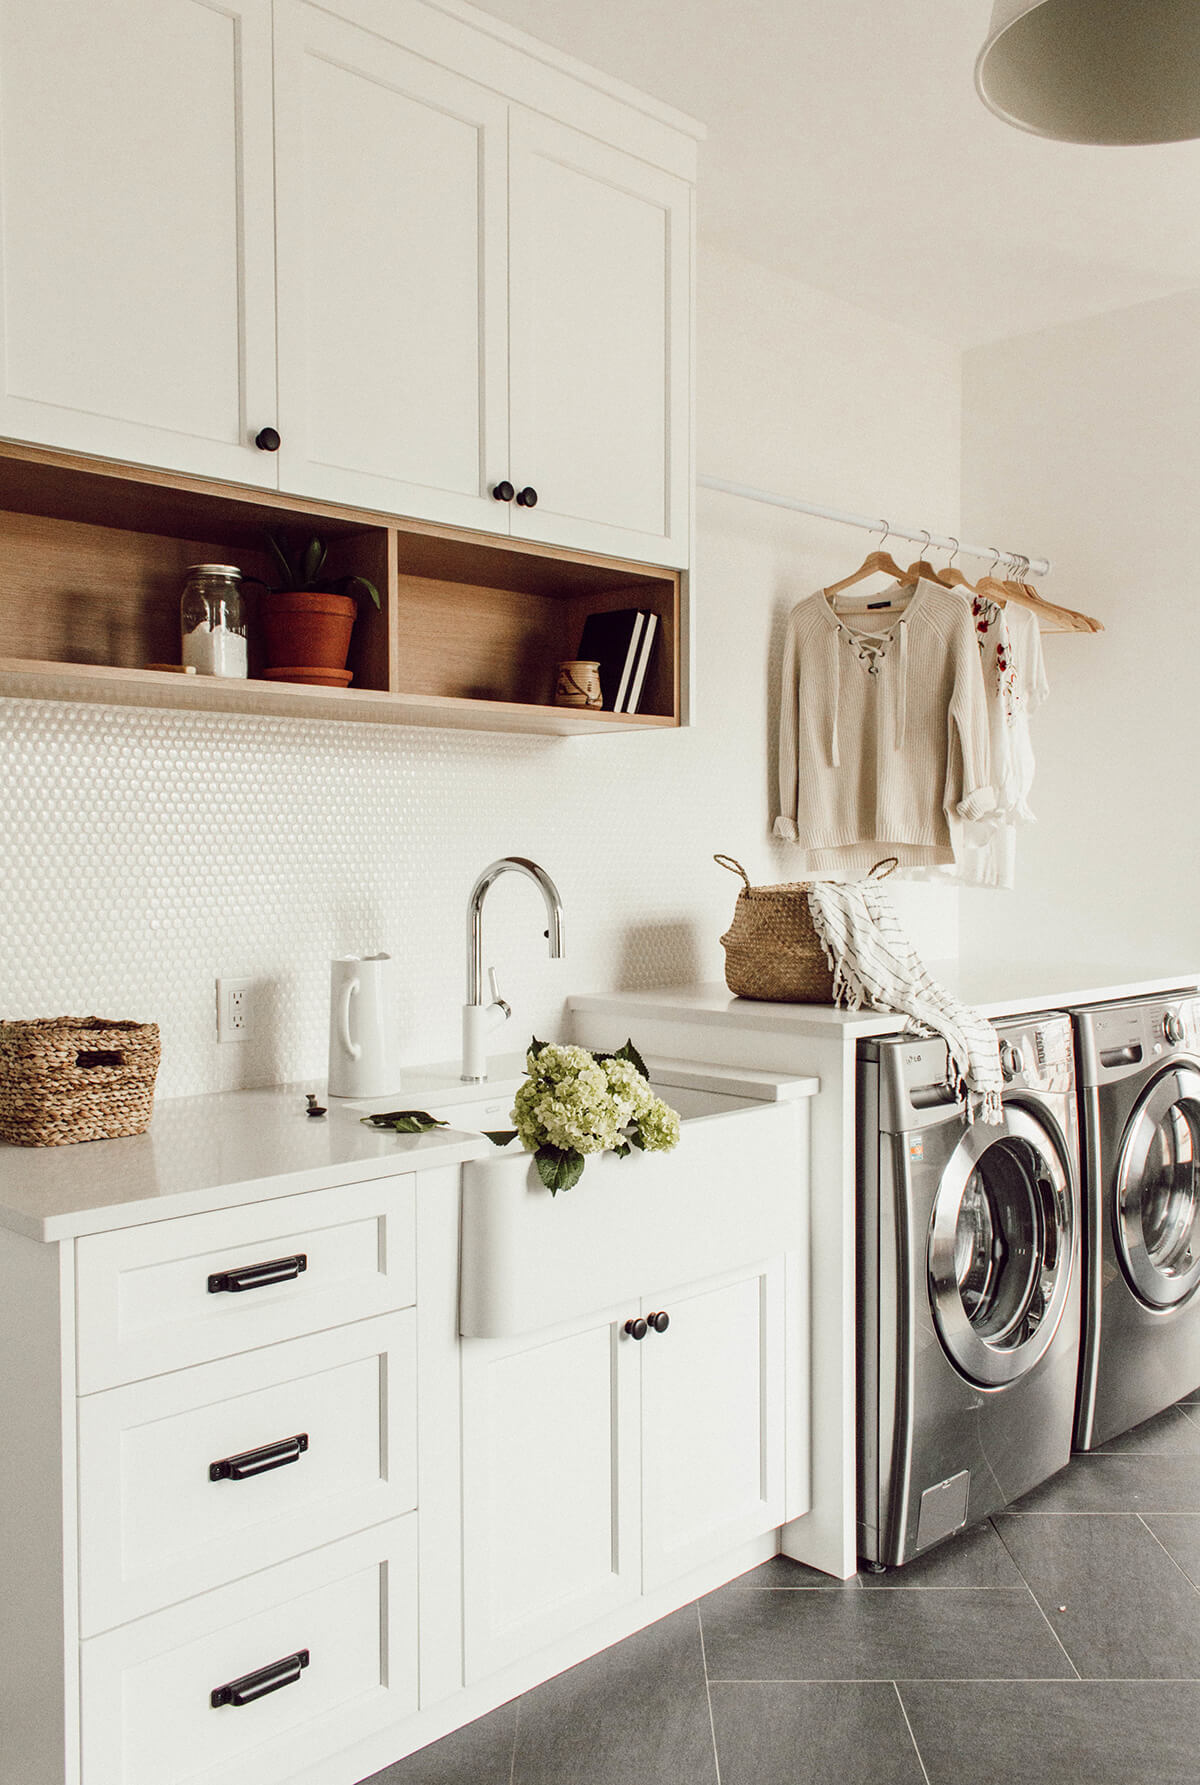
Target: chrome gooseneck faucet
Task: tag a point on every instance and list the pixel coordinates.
(479, 1019)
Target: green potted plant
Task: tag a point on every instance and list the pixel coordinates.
(308, 616)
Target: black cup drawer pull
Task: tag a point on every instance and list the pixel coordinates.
(257, 1462)
(257, 1685)
(257, 1276)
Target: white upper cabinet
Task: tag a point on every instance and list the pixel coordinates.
(137, 303)
(599, 294)
(391, 193)
(383, 202)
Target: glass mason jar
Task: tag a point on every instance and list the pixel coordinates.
(212, 618)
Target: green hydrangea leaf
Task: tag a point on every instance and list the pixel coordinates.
(635, 1137)
(500, 1137)
(536, 1046)
(623, 1150)
(630, 1053)
(405, 1121)
(559, 1167)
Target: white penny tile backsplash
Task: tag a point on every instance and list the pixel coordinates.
(145, 853)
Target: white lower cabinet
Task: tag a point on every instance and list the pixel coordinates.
(265, 1516)
(251, 1683)
(209, 1531)
(712, 1420)
(551, 1510)
(205, 1475)
(598, 1465)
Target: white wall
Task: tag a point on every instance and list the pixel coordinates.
(802, 394)
(1083, 441)
(141, 854)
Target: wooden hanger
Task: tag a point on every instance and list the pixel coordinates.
(990, 585)
(876, 561)
(924, 568)
(1051, 617)
(953, 577)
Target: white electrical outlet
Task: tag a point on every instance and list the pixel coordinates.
(235, 1009)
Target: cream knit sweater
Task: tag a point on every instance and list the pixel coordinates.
(883, 732)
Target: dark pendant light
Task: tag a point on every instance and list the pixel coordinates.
(1094, 71)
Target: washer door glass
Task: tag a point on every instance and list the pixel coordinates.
(1001, 1248)
(1157, 1205)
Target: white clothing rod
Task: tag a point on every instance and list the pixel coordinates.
(919, 536)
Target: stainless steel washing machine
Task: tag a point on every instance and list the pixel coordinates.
(968, 1286)
(1139, 1092)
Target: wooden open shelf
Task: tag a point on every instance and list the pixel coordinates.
(92, 562)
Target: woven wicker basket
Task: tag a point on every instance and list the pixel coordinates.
(64, 1079)
(772, 949)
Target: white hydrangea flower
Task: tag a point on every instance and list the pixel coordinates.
(576, 1104)
(659, 1126)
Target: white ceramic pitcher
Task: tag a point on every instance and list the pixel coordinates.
(364, 1043)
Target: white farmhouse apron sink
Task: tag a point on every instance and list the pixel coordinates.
(734, 1190)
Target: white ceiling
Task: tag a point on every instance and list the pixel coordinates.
(846, 146)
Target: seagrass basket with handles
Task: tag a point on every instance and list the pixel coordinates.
(772, 949)
(71, 1078)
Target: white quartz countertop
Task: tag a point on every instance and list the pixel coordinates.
(995, 990)
(202, 1153)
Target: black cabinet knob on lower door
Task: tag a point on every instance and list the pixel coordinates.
(660, 1321)
(637, 1329)
(267, 440)
(527, 498)
(503, 492)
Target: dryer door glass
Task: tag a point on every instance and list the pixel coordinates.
(1157, 1207)
(1000, 1248)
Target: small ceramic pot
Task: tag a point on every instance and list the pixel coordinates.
(578, 683)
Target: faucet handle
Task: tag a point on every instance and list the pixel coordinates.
(494, 984)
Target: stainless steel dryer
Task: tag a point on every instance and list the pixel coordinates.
(1139, 1092)
(968, 1286)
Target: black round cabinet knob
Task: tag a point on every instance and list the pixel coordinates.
(504, 492)
(527, 498)
(267, 440)
(636, 1329)
(660, 1321)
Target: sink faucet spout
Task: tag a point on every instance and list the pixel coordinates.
(479, 1018)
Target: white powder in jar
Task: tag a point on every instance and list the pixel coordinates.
(213, 651)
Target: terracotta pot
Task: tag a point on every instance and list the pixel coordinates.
(305, 629)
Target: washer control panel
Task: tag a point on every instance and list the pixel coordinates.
(1118, 1039)
(918, 1087)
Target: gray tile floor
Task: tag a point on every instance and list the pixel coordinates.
(1059, 1642)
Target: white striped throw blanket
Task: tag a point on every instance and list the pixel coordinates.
(876, 967)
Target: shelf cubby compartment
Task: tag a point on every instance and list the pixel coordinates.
(92, 562)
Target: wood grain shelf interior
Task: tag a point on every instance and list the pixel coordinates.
(93, 559)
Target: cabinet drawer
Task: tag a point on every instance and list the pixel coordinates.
(350, 1608)
(308, 1441)
(144, 1299)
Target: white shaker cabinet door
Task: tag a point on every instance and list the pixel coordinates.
(392, 324)
(713, 1429)
(550, 1486)
(137, 307)
(600, 325)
